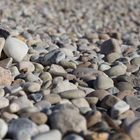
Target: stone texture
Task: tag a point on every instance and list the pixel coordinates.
(51, 135)
(72, 94)
(67, 120)
(5, 77)
(103, 82)
(20, 128)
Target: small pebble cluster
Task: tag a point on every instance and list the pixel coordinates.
(69, 70)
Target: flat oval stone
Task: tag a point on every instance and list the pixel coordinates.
(117, 70)
(72, 94)
(52, 98)
(39, 118)
(80, 103)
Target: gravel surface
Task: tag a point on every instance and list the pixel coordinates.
(69, 70)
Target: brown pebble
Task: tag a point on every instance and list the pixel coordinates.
(39, 118)
(94, 118)
(5, 77)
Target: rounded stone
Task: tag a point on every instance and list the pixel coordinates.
(72, 94)
(39, 118)
(15, 48)
(32, 86)
(135, 61)
(21, 127)
(26, 66)
(51, 135)
(134, 131)
(4, 102)
(5, 77)
(100, 94)
(80, 103)
(117, 70)
(94, 118)
(73, 137)
(67, 120)
(124, 86)
(3, 128)
(103, 82)
(112, 57)
(52, 98)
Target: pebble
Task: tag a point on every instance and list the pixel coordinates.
(124, 86)
(20, 103)
(39, 118)
(14, 71)
(103, 82)
(15, 48)
(68, 120)
(52, 98)
(3, 128)
(43, 128)
(5, 77)
(6, 63)
(2, 92)
(4, 102)
(45, 76)
(135, 61)
(2, 42)
(57, 70)
(26, 66)
(109, 101)
(133, 130)
(92, 100)
(51, 135)
(133, 101)
(100, 94)
(68, 64)
(100, 136)
(94, 118)
(117, 70)
(109, 46)
(9, 116)
(104, 67)
(120, 136)
(73, 137)
(112, 57)
(20, 128)
(80, 103)
(42, 105)
(30, 77)
(52, 57)
(85, 73)
(60, 86)
(119, 108)
(72, 94)
(124, 94)
(32, 86)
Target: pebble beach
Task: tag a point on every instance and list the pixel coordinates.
(69, 70)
